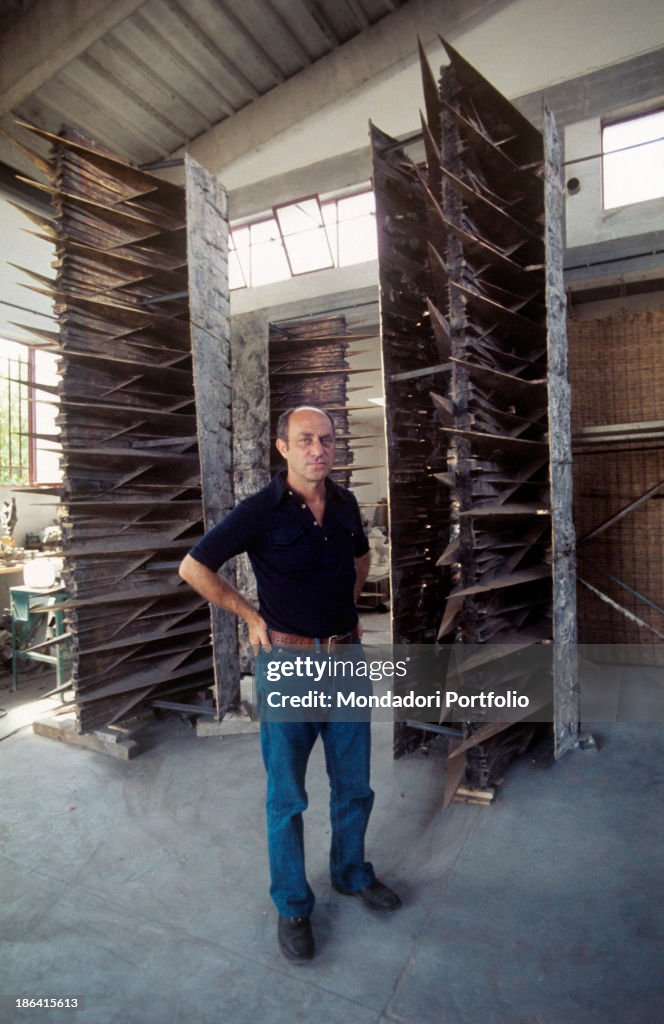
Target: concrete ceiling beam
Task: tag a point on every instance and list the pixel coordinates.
(47, 37)
(376, 51)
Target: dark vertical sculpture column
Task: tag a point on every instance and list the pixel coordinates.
(131, 493)
(415, 352)
(489, 232)
(494, 297)
(309, 366)
(415, 348)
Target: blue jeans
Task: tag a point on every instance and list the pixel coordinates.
(286, 747)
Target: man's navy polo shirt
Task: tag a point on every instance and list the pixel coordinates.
(305, 572)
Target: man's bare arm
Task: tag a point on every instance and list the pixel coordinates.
(219, 591)
(361, 572)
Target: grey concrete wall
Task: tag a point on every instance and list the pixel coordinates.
(18, 246)
(307, 292)
(620, 88)
(587, 221)
(581, 105)
(523, 47)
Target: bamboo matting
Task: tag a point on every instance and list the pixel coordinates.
(616, 369)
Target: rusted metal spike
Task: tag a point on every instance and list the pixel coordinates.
(52, 337)
(507, 383)
(40, 162)
(440, 280)
(444, 408)
(496, 221)
(49, 282)
(149, 183)
(46, 224)
(494, 103)
(514, 326)
(496, 444)
(434, 167)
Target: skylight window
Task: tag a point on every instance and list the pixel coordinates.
(268, 257)
(633, 160)
(303, 236)
(237, 278)
(351, 225)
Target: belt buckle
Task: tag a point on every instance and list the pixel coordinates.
(336, 636)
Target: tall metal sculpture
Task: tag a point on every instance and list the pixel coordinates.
(309, 366)
(131, 308)
(469, 280)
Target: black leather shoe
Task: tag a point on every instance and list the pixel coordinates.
(296, 940)
(377, 897)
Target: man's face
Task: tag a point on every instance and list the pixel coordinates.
(309, 450)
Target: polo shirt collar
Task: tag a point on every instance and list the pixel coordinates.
(278, 488)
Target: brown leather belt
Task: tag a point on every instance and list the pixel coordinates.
(325, 642)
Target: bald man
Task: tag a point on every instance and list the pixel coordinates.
(304, 538)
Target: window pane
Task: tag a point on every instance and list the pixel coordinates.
(14, 414)
(330, 221)
(239, 242)
(637, 174)
(357, 206)
(268, 263)
(235, 275)
(308, 250)
(47, 469)
(264, 231)
(304, 236)
(239, 238)
(301, 216)
(357, 240)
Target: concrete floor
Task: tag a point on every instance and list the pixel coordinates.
(141, 886)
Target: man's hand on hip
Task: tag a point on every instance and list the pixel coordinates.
(220, 591)
(259, 636)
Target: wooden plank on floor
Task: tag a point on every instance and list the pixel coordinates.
(103, 741)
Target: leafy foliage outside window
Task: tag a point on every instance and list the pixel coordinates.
(15, 453)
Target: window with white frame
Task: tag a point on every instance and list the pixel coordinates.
(633, 160)
(16, 367)
(306, 235)
(29, 451)
(351, 225)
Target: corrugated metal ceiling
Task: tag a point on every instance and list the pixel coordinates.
(173, 68)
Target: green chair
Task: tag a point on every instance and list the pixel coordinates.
(29, 606)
